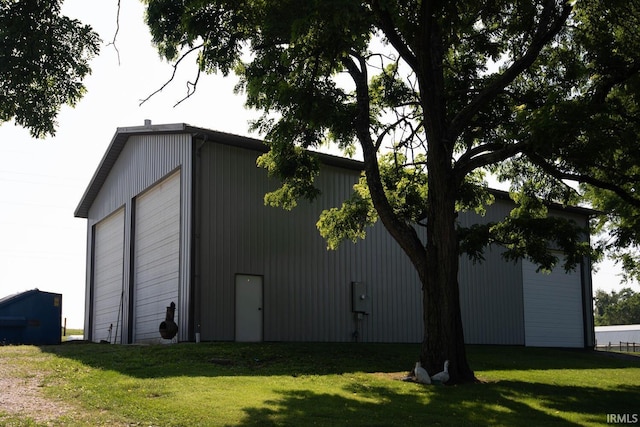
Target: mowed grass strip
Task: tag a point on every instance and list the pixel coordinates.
(223, 384)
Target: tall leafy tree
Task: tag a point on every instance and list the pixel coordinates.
(434, 94)
(617, 308)
(44, 57)
(592, 131)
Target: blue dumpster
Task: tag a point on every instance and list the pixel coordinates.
(31, 317)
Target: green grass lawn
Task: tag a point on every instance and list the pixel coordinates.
(223, 384)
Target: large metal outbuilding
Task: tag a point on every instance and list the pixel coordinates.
(616, 334)
(31, 317)
(176, 214)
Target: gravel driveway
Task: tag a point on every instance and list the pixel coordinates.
(21, 394)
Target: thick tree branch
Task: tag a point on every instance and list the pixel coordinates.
(386, 24)
(546, 30)
(358, 73)
(546, 166)
(485, 155)
(403, 233)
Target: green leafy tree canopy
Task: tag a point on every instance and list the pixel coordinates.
(44, 57)
(617, 308)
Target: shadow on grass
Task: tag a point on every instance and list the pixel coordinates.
(498, 404)
(370, 400)
(499, 358)
(230, 359)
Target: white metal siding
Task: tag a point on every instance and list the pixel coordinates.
(552, 307)
(615, 334)
(157, 256)
(144, 160)
(107, 276)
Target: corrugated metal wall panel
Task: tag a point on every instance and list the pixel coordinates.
(491, 291)
(491, 300)
(145, 160)
(307, 289)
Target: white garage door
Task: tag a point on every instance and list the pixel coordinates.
(552, 307)
(107, 276)
(157, 257)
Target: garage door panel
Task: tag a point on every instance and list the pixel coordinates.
(157, 251)
(552, 307)
(107, 274)
(149, 296)
(155, 269)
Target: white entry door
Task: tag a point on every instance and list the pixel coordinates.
(248, 308)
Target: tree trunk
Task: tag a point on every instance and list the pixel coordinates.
(443, 335)
(437, 261)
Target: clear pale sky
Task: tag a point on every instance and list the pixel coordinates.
(42, 245)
